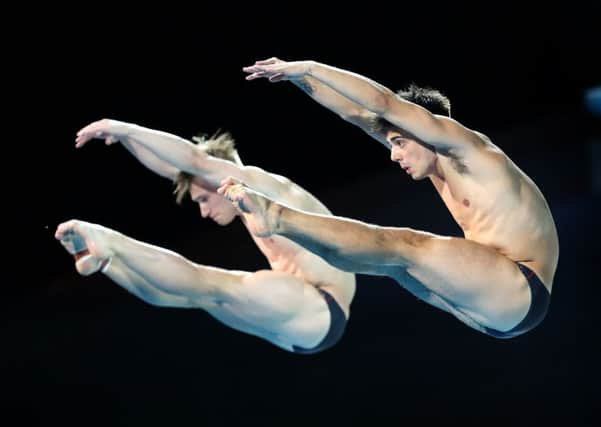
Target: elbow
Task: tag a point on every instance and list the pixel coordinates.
(354, 116)
(196, 161)
(381, 103)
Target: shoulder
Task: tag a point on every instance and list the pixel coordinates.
(480, 156)
(282, 189)
(254, 172)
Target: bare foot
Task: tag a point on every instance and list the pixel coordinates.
(259, 212)
(87, 243)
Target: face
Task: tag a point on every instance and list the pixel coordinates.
(414, 158)
(212, 205)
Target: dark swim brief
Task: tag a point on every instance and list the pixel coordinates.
(337, 326)
(538, 307)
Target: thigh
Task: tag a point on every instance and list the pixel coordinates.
(275, 306)
(474, 279)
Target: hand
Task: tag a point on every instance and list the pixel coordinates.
(277, 70)
(256, 209)
(109, 130)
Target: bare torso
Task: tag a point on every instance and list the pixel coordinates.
(286, 256)
(498, 205)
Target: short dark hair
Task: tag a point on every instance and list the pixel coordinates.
(431, 99)
(221, 145)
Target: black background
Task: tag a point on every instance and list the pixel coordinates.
(84, 351)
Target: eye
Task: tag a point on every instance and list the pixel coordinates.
(398, 140)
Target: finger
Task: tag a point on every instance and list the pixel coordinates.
(230, 180)
(271, 60)
(80, 142)
(257, 75)
(110, 140)
(277, 77)
(82, 139)
(225, 184)
(89, 128)
(83, 130)
(251, 69)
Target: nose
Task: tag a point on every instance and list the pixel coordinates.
(204, 210)
(395, 154)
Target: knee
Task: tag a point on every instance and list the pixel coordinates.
(401, 246)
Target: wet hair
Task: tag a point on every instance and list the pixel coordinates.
(431, 99)
(220, 145)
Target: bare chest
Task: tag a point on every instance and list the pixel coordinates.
(481, 209)
(467, 203)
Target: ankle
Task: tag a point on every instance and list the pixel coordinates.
(275, 212)
(104, 264)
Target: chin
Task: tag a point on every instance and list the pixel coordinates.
(224, 222)
(418, 177)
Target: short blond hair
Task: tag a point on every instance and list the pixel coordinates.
(221, 145)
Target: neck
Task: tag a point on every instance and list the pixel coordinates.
(437, 171)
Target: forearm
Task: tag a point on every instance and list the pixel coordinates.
(172, 149)
(328, 97)
(359, 89)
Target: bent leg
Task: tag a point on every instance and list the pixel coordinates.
(163, 269)
(135, 284)
(275, 306)
(475, 281)
(470, 280)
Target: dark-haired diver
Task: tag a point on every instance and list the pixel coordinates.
(497, 278)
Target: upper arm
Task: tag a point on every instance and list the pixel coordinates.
(365, 119)
(150, 160)
(213, 170)
(439, 131)
(281, 190)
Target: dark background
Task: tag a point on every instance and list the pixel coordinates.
(84, 351)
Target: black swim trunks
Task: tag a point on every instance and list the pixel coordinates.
(337, 326)
(538, 307)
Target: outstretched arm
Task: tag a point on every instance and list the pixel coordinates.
(334, 101)
(149, 159)
(162, 152)
(439, 131)
(170, 153)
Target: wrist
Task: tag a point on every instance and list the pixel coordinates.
(310, 68)
(104, 264)
(130, 130)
